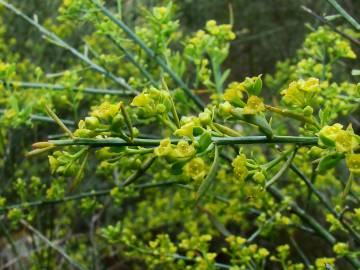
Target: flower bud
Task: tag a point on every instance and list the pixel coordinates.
(92, 122)
(225, 109)
(259, 177)
(84, 133)
(160, 108)
(118, 122)
(308, 111)
(40, 145)
(205, 117)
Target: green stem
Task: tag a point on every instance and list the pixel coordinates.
(12, 244)
(318, 228)
(277, 160)
(58, 87)
(292, 115)
(217, 76)
(173, 108)
(354, 99)
(300, 252)
(346, 15)
(226, 130)
(321, 197)
(139, 172)
(58, 121)
(52, 245)
(99, 193)
(57, 40)
(298, 140)
(151, 53)
(206, 183)
(127, 120)
(326, 22)
(132, 59)
(282, 169)
(43, 118)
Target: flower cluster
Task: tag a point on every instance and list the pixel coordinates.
(344, 141)
(301, 93)
(240, 169)
(152, 102)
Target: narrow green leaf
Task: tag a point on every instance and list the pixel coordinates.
(329, 161)
(257, 86)
(176, 168)
(209, 178)
(204, 141)
(224, 76)
(347, 188)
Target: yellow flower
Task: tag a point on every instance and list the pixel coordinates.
(263, 252)
(141, 100)
(328, 134)
(254, 105)
(341, 248)
(321, 263)
(54, 164)
(301, 93)
(185, 130)
(205, 117)
(106, 110)
(195, 169)
(234, 92)
(239, 164)
(345, 141)
(310, 85)
(164, 149)
(4, 66)
(353, 163)
(225, 109)
(184, 149)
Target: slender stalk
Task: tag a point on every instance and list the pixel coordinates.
(300, 252)
(226, 130)
(206, 183)
(58, 87)
(298, 140)
(151, 53)
(354, 99)
(12, 244)
(346, 15)
(293, 115)
(321, 197)
(132, 59)
(173, 108)
(43, 118)
(57, 40)
(318, 228)
(58, 121)
(52, 245)
(127, 120)
(276, 160)
(282, 169)
(99, 193)
(139, 172)
(324, 21)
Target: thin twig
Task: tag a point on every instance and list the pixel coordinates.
(324, 21)
(58, 87)
(99, 193)
(57, 40)
(297, 140)
(151, 53)
(282, 169)
(346, 15)
(52, 245)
